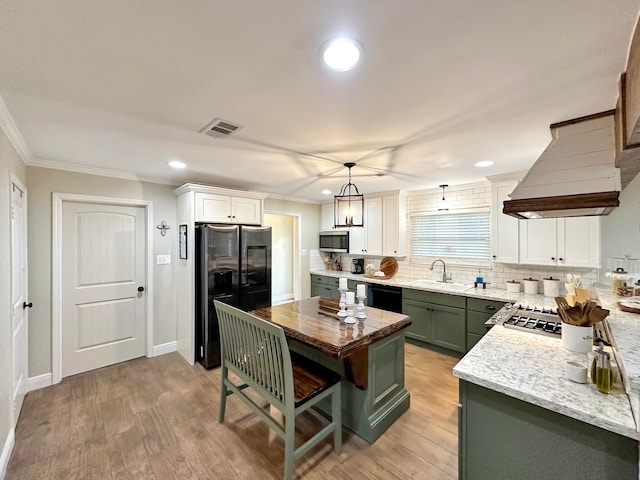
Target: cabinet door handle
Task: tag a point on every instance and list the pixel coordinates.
(553, 258)
(490, 307)
(228, 216)
(561, 259)
(493, 256)
(27, 305)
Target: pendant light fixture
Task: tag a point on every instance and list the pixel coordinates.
(444, 205)
(348, 205)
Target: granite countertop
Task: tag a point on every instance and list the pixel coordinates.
(531, 367)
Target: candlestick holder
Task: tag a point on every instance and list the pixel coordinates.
(349, 318)
(343, 302)
(361, 313)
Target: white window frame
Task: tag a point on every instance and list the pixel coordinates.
(459, 262)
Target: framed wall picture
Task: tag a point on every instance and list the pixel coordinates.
(182, 241)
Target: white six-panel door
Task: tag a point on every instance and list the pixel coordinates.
(18, 294)
(103, 268)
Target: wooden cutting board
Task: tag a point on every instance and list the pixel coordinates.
(389, 266)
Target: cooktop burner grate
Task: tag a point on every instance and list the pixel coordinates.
(544, 321)
(548, 327)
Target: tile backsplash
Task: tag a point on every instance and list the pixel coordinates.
(467, 196)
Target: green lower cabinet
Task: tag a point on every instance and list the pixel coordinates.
(420, 328)
(478, 312)
(472, 339)
(503, 438)
(439, 325)
(323, 286)
(448, 327)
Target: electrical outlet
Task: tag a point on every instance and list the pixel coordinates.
(163, 259)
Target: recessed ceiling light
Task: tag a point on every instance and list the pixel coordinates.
(176, 164)
(341, 54)
(482, 164)
(326, 192)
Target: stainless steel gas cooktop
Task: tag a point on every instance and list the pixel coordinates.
(543, 321)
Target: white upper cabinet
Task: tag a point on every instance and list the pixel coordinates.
(569, 242)
(579, 242)
(367, 240)
(212, 208)
(504, 228)
(246, 210)
(326, 218)
(538, 242)
(394, 225)
(385, 226)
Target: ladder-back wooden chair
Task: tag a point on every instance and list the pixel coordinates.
(257, 352)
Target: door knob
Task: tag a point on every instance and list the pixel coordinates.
(141, 289)
(27, 305)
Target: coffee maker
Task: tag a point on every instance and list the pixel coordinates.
(357, 265)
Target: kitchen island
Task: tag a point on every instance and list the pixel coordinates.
(520, 417)
(368, 355)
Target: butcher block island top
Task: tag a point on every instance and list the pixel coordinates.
(368, 355)
(313, 321)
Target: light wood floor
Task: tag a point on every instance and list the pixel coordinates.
(157, 419)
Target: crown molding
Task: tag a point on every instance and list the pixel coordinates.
(199, 188)
(13, 134)
(103, 172)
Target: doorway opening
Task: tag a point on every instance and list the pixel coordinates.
(285, 256)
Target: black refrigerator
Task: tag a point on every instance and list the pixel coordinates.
(233, 265)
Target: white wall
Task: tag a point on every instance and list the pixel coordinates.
(9, 163)
(41, 184)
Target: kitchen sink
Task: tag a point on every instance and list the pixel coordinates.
(432, 284)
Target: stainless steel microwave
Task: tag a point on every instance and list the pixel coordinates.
(334, 241)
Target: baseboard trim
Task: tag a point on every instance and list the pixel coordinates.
(38, 382)
(164, 348)
(6, 453)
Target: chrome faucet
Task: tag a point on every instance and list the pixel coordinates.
(444, 269)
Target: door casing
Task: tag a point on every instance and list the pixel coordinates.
(19, 390)
(56, 271)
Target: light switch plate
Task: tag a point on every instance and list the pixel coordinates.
(163, 259)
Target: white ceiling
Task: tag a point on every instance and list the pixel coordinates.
(126, 86)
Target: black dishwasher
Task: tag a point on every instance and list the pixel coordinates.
(385, 297)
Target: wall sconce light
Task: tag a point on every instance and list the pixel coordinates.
(348, 205)
(163, 227)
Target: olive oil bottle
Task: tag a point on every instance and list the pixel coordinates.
(604, 376)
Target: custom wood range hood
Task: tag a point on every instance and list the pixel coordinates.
(575, 175)
(584, 168)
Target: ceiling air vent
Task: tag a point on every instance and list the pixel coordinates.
(219, 128)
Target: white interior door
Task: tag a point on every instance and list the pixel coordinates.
(19, 302)
(103, 268)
